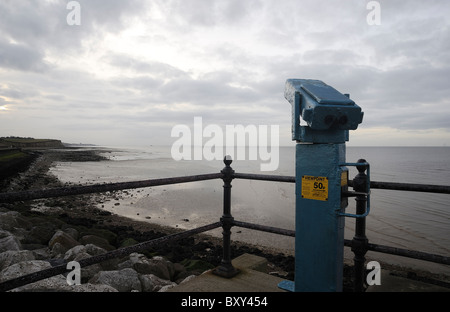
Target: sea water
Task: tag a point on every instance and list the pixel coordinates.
(410, 220)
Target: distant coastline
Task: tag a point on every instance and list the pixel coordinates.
(29, 143)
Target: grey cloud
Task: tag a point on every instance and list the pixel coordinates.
(169, 118)
(21, 57)
(43, 25)
(149, 67)
(411, 43)
(207, 13)
(401, 82)
(24, 21)
(39, 25)
(198, 12)
(56, 97)
(141, 83)
(16, 91)
(332, 56)
(111, 15)
(413, 86)
(206, 91)
(214, 89)
(407, 119)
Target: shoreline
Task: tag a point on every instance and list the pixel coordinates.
(82, 210)
(199, 252)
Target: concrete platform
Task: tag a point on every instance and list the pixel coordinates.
(251, 278)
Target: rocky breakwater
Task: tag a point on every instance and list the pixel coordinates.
(36, 242)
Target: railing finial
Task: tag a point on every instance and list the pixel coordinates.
(363, 165)
(227, 160)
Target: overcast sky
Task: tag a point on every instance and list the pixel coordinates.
(132, 70)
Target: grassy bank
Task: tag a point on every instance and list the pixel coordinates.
(13, 162)
(11, 155)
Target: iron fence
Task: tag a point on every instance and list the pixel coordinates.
(359, 244)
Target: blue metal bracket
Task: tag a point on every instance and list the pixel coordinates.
(350, 215)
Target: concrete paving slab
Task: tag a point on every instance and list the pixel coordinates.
(251, 278)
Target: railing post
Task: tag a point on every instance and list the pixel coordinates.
(226, 269)
(360, 241)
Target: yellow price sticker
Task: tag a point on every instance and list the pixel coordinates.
(315, 188)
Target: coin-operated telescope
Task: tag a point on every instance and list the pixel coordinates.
(321, 181)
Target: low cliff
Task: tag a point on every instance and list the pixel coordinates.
(26, 143)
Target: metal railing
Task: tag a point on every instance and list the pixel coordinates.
(359, 244)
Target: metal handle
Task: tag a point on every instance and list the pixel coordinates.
(367, 194)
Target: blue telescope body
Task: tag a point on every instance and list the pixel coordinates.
(321, 106)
